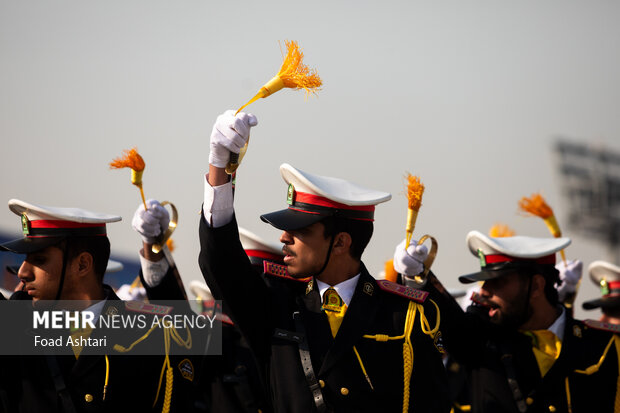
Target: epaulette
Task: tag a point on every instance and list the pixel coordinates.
(147, 308)
(280, 271)
(599, 325)
(402, 290)
(210, 308)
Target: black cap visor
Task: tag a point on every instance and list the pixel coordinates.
(603, 302)
(484, 275)
(290, 219)
(28, 245)
(12, 269)
(496, 270)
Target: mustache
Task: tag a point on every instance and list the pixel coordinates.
(478, 299)
(287, 251)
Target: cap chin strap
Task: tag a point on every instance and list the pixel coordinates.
(62, 274)
(329, 253)
(524, 316)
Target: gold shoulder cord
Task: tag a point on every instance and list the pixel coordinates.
(107, 376)
(407, 346)
(594, 368)
(169, 333)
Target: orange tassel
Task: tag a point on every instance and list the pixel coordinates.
(537, 206)
(500, 231)
(293, 74)
(415, 189)
(390, 272)
(171, 245)
(132, 159)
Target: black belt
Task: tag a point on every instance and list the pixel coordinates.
(306, 363)
(511, 376)
(59, 384)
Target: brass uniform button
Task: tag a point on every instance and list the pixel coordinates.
(88, 397)
(344, 391)
(321, 383)
(529, 401)
(552, 408)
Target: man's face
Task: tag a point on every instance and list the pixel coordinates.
(305, 250)
(40, 273)
(507, 299)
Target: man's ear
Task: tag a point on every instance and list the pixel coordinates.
(538, 285)
(342, 243)
(83, 264)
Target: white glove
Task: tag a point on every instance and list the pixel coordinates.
(411, 261)
(126, 293)
(230, 133)
(150, 223)
(570, 274)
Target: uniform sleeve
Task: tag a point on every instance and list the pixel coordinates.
(153, 271)
(166, 286)
(218, 204)
(230, 276)
(464, 334)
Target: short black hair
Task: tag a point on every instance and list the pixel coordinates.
(97, 246)
(360, 232)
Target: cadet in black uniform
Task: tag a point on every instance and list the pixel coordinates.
(329, 336)
(524, 350)
(67, 252)
(230, 382)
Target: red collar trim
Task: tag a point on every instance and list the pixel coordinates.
(264, 255)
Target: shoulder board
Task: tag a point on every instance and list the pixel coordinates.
(402, 290)
(599, 325)
(280, 271)
(146, 308)
(210, 307)
(224, 319)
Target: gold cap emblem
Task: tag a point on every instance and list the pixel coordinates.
(25, 224)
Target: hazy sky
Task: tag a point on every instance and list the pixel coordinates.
(469, 95)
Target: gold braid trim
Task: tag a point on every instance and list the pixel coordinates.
(595, 367)
(568, 398)
(407, 346)
(169, 333)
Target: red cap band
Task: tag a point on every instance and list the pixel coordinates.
(42, 223)
(498, 258)
(328, 203)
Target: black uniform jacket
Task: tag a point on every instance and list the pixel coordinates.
(264, 312)
(493, 355)
(230, 382)
(133, 380)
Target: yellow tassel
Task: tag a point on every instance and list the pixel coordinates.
(412, 217)
(500, 231)
(293, 74)
(415, 189)
(132, 159)
(553, 226)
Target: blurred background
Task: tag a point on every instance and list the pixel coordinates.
(485, 101)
